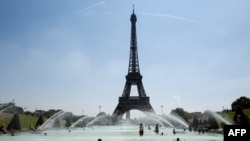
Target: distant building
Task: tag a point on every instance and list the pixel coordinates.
(39, 112)
(197, 114)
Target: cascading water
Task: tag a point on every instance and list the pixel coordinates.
(48, 124)
(101, 120)
(218, 116)
(160, 119)
(3, 108)
(176, 118)
(125, 130)
(82, 121)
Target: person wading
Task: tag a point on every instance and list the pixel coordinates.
(141, 130)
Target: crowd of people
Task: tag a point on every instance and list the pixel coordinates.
(156, 130)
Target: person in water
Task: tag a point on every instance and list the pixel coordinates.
(174, 131)
(157, 129)
(149, 128)
(141, 130)
(2, 129)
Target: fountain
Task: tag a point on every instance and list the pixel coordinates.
(176, 118)
(4, 108)
(101, 120)
(82, 122)
(150, 119)
(219, 117)
(110, 133)
(160, 119)
(102, 126)
(55, 119)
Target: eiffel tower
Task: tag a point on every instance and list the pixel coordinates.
(127, 102)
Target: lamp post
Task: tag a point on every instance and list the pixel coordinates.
(100, 109)
(161, 109)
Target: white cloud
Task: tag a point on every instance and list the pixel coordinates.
(90, 7)
(186, 19)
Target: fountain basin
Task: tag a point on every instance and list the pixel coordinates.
(110, 133)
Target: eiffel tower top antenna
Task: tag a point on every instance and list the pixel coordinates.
(133, 58)
(133, 8)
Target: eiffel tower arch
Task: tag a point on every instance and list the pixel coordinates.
(134, 77)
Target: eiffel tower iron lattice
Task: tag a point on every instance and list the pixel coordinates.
(127, 102)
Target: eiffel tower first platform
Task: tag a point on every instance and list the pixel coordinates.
(127, 102)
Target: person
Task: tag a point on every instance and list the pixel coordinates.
(2, 129)
(141, 130)
(174, 131)
(99, 139)
(157, 129)
(238, 120)
(149, 128)
(12, 130)
(178, 139)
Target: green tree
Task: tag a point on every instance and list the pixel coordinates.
(179, 111)
(12, 109)
(50, 113)
(19, 110)
(39, 122)
(68, 122)
(243, 102)
(29, 113)
(195, 122)
(68, 117)
(240, 115)
(15, 123)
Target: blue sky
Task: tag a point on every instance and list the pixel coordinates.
(73, 55)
